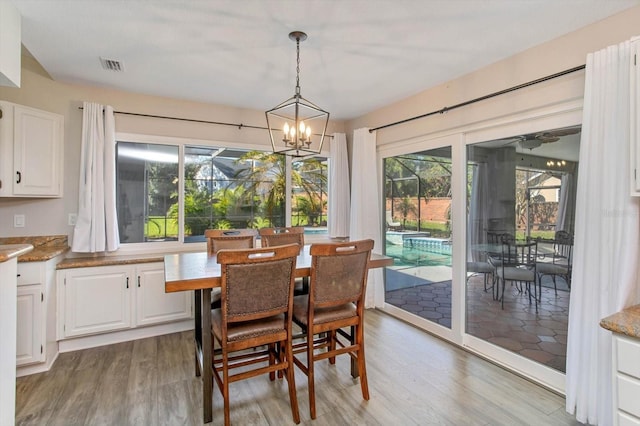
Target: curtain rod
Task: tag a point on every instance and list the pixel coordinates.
(482, 98)
(193, 120)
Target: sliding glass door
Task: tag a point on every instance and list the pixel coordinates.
(418, 234)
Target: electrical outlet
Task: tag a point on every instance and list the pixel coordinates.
(18, 220)
(73, 218)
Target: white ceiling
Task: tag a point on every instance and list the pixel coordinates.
(360, 54)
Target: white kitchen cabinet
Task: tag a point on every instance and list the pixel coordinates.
(31, 152)
(102, 299)
(30, 331)
(37, 346)
(153, 305)
(94, 300)
(626, 377)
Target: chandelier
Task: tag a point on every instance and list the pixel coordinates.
(292, 123)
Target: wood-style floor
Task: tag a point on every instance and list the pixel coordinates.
(414, 379)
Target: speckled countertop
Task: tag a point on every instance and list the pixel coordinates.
(102, 260)
(9, 251)
(626, 322)
(44, 248)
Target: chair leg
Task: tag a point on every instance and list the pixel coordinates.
(271, 349)
(555, 288)
(310, 376)
(293, 398)
(225, 388)
(362, 365)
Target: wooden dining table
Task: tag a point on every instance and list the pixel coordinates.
(200, 272)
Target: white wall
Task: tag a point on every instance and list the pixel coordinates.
(549, 58)
(50, 216)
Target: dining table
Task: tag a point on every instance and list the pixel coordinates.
(200, 272)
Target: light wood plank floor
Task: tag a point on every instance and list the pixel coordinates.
(414, 379)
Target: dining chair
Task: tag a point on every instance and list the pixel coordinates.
(286, 235)
(282, 235)
(253, 326)
(218, 239)
(561, 260)
(335, 304)
(518, 264)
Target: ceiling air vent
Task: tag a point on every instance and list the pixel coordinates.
(112, 65)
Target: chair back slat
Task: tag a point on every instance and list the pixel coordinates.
(339, 272)
(219, 239)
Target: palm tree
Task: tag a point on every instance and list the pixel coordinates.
(266, 180)
(406, 206)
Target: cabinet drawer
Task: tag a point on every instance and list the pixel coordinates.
(629, 395)
(30, 273)
(629, 357)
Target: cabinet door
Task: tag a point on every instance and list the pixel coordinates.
(153, 304)
(37, 152)
(96, 300)
(30, 342)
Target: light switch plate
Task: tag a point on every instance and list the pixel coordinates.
(18, 221)
(73, 218)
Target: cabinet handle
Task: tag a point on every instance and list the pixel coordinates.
(127, 282)
(138, 281)
(19, 177)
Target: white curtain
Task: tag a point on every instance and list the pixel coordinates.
(339, 193)
(567, 203)
(96, 229)
(606, 237)
(478, 206)
(366, 207)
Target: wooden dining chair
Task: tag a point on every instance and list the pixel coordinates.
(282, 235)
(286, 235)
(218, 239)
(256, 313)
(335, 302)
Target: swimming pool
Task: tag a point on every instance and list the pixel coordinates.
(427, 253)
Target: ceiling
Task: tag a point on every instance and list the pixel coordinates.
(360, 54)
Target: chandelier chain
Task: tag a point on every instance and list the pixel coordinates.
(298, 65)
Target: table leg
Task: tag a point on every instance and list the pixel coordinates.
(207, 376)
(197, 331)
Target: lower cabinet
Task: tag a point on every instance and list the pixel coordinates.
(30, 325)
(36, 344)
(104, 299)
(626, 373)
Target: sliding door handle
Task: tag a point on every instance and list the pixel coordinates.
(19, 179)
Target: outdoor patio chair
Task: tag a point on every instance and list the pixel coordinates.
(518, 264)
(560, 260)
(391, 224)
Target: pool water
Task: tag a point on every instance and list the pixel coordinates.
(414, 256)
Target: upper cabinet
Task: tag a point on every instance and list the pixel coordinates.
(31, 152)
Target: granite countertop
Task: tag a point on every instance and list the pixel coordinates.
(44, 248)
(102, 260)
(626, 322)
(9, 251)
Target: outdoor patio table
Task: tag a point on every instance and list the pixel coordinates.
(200, 272)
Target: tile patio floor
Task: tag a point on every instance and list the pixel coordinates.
(541, 337)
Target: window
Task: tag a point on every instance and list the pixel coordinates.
(223, 188)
